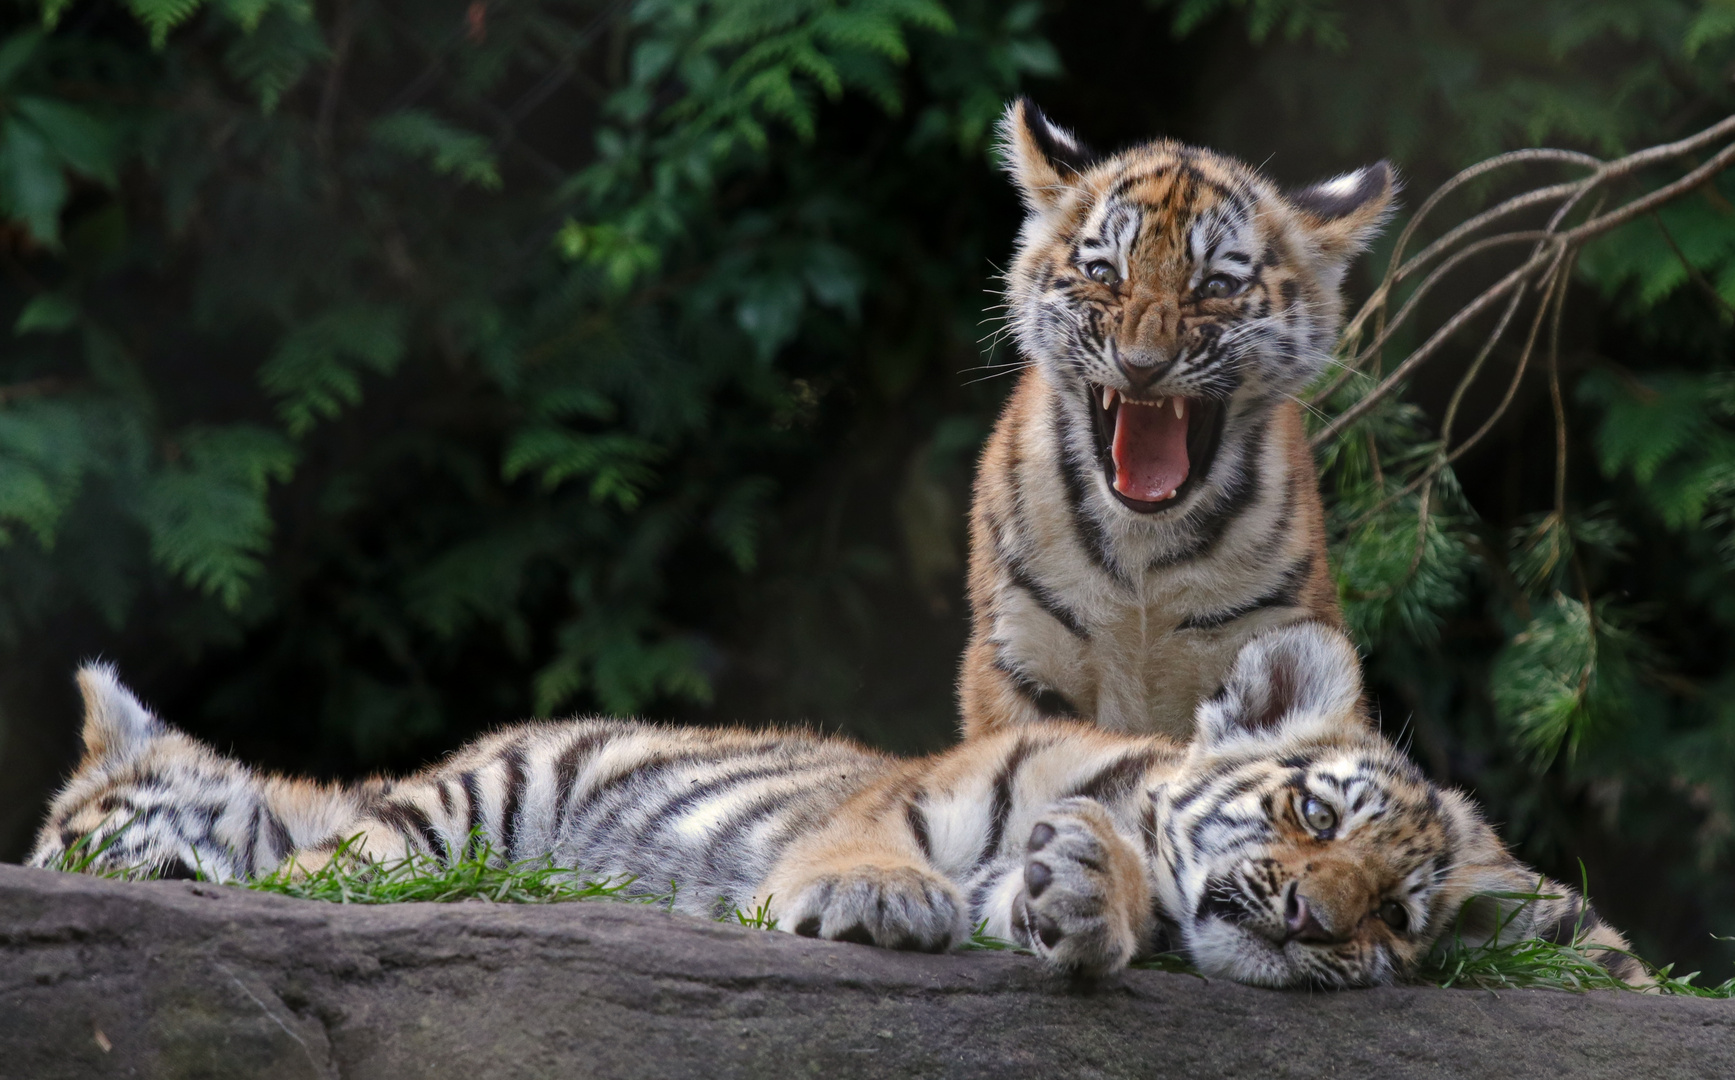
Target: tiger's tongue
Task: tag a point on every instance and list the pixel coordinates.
(1150, 450)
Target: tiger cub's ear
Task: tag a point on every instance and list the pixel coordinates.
(1300, 683)
(116, 726)
(1343, 214)
(1042, 156)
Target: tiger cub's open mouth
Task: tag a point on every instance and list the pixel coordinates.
(1153, 451)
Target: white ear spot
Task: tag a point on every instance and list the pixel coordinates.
(1058, 135)
(1343, 185)
(1347, 209)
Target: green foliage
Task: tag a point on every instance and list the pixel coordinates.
(479, 875)
(1561, 675)
(206, 512)
(313, 372)
(380, 370)
(321, 320)
(1390, 588)
(448, 150)
(43, 139)
(1318, 21)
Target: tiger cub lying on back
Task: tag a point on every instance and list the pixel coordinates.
(1147, 502)
(1289, 845)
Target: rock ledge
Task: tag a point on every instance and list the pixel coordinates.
(102, 978)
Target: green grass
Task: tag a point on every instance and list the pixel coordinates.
(81, 854)
(425, 879)
(1533, 963)
(1526, 964)
(478, 876)
(1536, 964)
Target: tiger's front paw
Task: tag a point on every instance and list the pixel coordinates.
(1085, 901)
(897, 907)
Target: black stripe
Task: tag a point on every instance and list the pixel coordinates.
(1132, 180)
(472, 810)
(1077, 157)
(281, 842)
(1221, 899)
(1279, 530)
(1286, 594)
(514, 758)
(979, 894)
(1117, 779)
(651, 771)
(918, 821)
(1209, 528)
(255, 827)
(1568, 922)
(566, 771)
(1046, 700)
(1148, 828)
(1089, 531)
(1002, 806)
(1240, 831)
(1201, 785)
(1216, 816)
(716, 786)
(206, 816)
(406, 819)
(1045, 600)
(647, 771)
(721, 841)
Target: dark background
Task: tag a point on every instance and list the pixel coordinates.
(386, 371)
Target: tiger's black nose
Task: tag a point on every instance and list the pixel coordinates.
(1142, 367)
(1299, 922)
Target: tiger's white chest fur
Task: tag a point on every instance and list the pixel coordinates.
(1129, 621)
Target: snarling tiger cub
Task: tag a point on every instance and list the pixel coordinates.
(1287, 845)
(1147, 502)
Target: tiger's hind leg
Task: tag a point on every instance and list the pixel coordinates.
(865, 878)
(1078, 894)
(894, 907)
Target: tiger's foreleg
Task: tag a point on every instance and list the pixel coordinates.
(1076, 895)
(376, 829)
(865, 877)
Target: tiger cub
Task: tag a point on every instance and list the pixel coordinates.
(1147, 502)
(1287, 845)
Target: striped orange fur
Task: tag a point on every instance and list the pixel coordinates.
(1164, 277)
(1287, 844)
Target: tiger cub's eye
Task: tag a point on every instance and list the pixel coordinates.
(1103, 273)
(1218, 286)
(1319, 816)
(1394, 915)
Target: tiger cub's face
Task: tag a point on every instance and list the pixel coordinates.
(1167, 289)
(1305, 850)
(1328, 870)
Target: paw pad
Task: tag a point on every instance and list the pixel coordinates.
(1085, 900)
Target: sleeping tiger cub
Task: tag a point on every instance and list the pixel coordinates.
(1148, 502)
(1288, 845)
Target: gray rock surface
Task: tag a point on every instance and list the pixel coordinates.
(174, 979)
